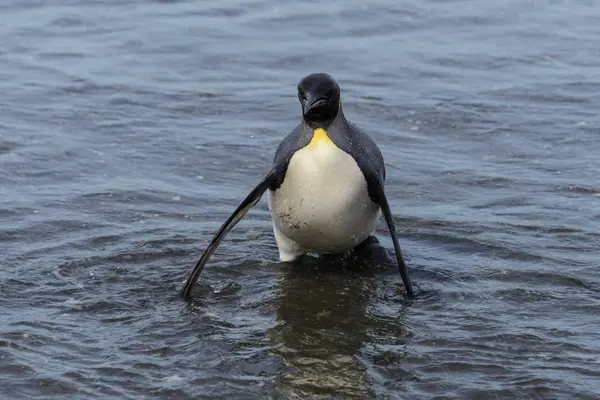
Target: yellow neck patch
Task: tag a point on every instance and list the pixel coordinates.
(320, 138)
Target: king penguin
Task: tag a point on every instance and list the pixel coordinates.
(325, 188)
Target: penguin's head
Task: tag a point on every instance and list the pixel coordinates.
(319, 95)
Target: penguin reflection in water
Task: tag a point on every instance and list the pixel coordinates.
(326, 186)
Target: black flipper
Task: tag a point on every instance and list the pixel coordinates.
(233, 219)
(387, 214)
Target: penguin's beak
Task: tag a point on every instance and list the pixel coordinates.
(312, 105)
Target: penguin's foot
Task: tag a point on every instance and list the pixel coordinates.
(289, 257)
(288, 249)
(370, 248)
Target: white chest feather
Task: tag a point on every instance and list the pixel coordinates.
(323, 204)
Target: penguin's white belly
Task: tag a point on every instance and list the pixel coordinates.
(323, 204)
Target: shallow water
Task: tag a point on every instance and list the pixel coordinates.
(130, 130)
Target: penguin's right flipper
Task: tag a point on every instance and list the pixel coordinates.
(387, 214)
(233, 219)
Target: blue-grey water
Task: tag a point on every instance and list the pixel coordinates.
(129, 130)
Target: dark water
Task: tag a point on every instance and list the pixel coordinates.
(129, 130)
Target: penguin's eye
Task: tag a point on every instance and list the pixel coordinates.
(301, 94)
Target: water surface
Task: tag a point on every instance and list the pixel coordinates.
(131, 129)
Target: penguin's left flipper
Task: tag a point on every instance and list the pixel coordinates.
(233, 219)
(387, 214)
